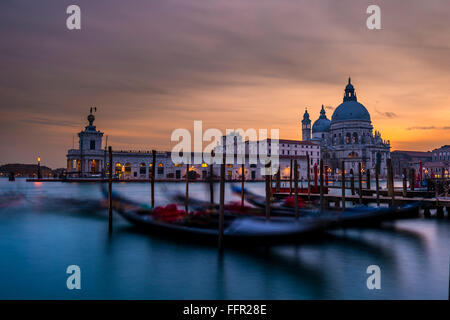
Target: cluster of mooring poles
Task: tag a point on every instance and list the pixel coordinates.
(293, 187)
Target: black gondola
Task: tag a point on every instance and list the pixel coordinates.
(201, 224)
(357, 216)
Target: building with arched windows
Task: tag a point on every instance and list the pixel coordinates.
(348, 136)
(90, 160)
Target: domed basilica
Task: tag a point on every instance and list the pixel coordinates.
(348, 137)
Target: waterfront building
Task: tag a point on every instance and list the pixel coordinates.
(439, 163)
(409, 160)
(348, 136)
(90, 160)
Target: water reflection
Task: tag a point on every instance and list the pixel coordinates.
(45, 228)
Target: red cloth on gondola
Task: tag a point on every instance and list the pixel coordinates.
(290, 201)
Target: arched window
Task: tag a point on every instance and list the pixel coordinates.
(93, 165)
(118, 168)
(142, 168)
(127, 168)
(352, 155)
(160, 168)
(355, 137)
(348, 138)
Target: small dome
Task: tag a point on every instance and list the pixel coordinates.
(350, 110)
(306, 114)
(322, 124)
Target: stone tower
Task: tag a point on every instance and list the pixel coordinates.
(306, 127)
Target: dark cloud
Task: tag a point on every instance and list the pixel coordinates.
(428, 128)
(386, 114)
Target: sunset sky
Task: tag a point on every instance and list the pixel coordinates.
(151, 66)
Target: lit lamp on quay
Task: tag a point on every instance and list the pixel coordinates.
(39, 168)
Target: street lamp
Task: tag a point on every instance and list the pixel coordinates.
(39, 168)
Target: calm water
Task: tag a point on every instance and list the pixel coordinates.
(41, 235)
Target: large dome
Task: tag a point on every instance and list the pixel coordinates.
(350, 108)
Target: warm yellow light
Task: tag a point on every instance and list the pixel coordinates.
(39, 159)
(204, 165)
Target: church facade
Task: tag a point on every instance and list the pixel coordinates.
(348, 136)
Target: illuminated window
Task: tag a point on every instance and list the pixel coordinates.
(348, 138)
(178, 165)
(229, 165)
(127, 167)
(142, 168)
(204, 165)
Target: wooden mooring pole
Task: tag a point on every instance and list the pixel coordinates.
(322, 200)
(308, 175)
(186, 198)
(268, 187)
(368, 179)
(390, 180)
(110, 190)
(411, 179)
(296, 189)
(343, 185)
(405, 174)
(211, 180)
(290, 178)
(377, 182)
(352, 182)
(152, 179)
(278, 182)
(360, 182)
(222, 203)
(242, 184)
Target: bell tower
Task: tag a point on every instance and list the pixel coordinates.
(90, 144)
(306, 127)
(90, 138)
